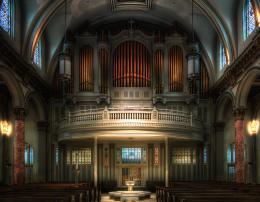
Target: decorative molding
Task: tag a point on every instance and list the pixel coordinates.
(238, 67)
(26, 71)
(122, 5)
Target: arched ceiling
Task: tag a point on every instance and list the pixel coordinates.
(214, 21)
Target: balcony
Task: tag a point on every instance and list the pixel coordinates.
(149, 119)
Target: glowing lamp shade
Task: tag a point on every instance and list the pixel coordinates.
(6, 128)
(193, 64)
(65, 66)
(253, 127)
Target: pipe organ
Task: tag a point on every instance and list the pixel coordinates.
(104, 67)
(158, 70)
(131, 65)
(86, 70)
(175, 69)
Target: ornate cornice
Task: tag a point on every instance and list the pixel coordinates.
(22, 68)
(238, 67)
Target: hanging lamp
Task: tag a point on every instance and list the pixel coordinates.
(193, 57)
(64, 57)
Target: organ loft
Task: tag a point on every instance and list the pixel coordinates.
(129, 100)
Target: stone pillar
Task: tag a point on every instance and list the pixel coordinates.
(95, 162)
(19, 143)
(239, 144)
(219, 151)
(166, 162)
(42, 130)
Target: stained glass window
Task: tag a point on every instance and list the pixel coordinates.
(184, 155)
(131, 155)
(156, 155)
(79, 156)
(249, 21)
(205, 154)
(37, 54)
(231, 159)
(5, 16)
(223, 56)
(57, 155)
(28, 154)
(231, 154)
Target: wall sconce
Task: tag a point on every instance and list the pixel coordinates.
(5, 128)
(253, 127)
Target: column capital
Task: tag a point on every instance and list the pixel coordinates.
(19, 113)
(239, 113)
(42, 125)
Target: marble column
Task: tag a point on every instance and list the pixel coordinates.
(166, 162)
(95, 162)
(219, 151)
(42, 130)
(19, 143)
(239, 145)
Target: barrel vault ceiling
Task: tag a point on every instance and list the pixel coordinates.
(214, 21)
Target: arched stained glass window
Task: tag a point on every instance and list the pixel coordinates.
(223, 56)
(5, 16)
(37, 54)
(249, 21)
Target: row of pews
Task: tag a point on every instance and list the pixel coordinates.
(82, 192)
(208, 192)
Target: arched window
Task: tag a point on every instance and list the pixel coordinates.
(37, 55)
(223, 56)
(5, 16)
(249, 19)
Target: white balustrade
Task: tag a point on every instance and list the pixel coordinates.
(109, 117)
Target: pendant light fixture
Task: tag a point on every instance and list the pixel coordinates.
(193, 56)
(64, 57)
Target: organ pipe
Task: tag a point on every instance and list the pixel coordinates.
(158, 68)
(175, 69)
(104, 66)
(86, 77)
(131, 65)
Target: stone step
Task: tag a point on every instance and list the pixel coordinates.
(106, 198)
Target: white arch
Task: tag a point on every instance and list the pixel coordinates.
(13, 86)
(245, 86)
(226, 98)
(40, 106)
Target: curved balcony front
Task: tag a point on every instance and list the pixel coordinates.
(147, 120)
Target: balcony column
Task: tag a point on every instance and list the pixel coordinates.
(95, 162)
(239, 145)
(166, 162)
(19, 144)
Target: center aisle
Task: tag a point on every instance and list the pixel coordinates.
(105, 198)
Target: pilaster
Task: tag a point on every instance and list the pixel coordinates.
(19, 144)
(239, 114)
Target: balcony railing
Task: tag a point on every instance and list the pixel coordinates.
(128, 117)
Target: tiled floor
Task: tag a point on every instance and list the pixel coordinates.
(105, 198)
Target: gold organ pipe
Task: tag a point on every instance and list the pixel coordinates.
(131, 65)
(175, 69)
(86, 69)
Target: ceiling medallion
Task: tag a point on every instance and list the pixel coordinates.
(126, 5)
